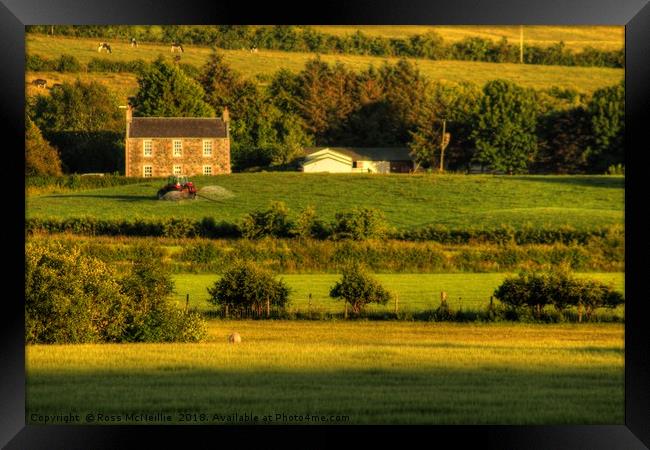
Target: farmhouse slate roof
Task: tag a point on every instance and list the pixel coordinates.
(368, 153)
(177, 127)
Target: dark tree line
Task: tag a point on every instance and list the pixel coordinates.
(500, 126)
(305, 39)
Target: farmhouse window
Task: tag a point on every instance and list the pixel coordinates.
(207, 148)
(177, 170)
(147, 171)
(207, 170)
(147, 148)
(178, 148)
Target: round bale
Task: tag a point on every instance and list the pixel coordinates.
(234, 338)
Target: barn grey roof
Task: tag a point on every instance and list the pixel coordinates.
(180, 127)
(368, 153)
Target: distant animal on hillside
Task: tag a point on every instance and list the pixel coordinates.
(253, 49)
(39, 82)
(104, 46)
(177, 47)
(134, 43)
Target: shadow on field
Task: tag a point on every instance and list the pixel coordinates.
(124, 198)
(587, 181)
(494, 394)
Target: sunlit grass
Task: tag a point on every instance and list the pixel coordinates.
(574, 37)
(374, 372)
(407, 201)
(415, 292)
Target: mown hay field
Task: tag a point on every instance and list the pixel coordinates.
(458, 201)
(574, 37)
(371, 372)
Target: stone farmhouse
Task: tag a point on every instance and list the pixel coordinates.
(357, 160)
(163, 146)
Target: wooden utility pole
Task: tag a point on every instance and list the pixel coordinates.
(444, 141)
(521, 44)
(187, 302)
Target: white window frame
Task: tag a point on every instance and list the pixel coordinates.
(207, 141)
(180, 148)
(144, 148)
(144, 171)
(207, 166)
(179, 167)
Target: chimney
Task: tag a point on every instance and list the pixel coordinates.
(226, 120)
(129, 114)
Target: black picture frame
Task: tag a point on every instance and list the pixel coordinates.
(634, 14)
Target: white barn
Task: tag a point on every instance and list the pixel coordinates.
(357, 160)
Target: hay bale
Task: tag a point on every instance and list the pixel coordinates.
(174, 196)
(215, 192)
(234, 338)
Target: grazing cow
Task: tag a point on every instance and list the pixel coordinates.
(134, 43)
(253, 49)
(39, 82)
(104, 46)
(177, 47)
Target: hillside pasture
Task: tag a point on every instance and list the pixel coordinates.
(457, 201)
(266, 62)
(372, 372)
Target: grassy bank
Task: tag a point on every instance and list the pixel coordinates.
(377, 373)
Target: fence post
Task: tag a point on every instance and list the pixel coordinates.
(346, 310)
(396, 303)
(268, 308)
(187, 302)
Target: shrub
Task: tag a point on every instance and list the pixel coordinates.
(71, 298)
(68, 63)
(74, 298)
(557, 288)
(358, 288)
(246, 288)
(359, 224)
(309, 226)
(150, 317)
(271, 222)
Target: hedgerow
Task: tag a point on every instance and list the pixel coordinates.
(386, 255)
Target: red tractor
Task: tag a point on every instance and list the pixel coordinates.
(178, 183)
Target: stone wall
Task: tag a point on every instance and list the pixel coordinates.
(162, 159)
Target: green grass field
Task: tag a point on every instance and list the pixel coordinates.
(407, 200)
(416, 292)
(372, 372)
(574, 37)
(582, 79)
